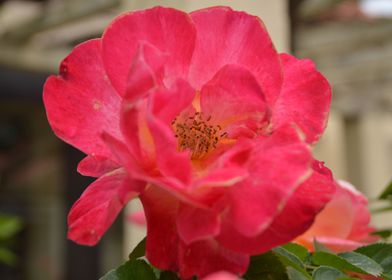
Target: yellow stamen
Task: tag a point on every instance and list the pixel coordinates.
(197, 134)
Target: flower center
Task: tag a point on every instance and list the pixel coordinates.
(197, 134)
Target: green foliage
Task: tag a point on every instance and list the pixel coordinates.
(139, 251)
(355, 263)
(298, 250)
(294, 274)
(7, 256)
(327, 273)
(9, 227)
(136, 269)
(318, 247)
(168, 275)
(294, 265)
(387, 193)
(380, 253)
(287, 262)
(264, 267)
(383, 233)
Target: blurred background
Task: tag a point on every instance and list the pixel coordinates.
(350, 41)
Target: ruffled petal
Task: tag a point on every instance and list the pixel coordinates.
(225, 37)
(360, 231)
(170, 162)
(124, 157)
(196, 224)
(162, 243)
(81, 103)
(240, 98)
(278, 164)
(96, 166)
(222, 275)
(145, 73)
(99, 205)
(143, 79)
(167, 104)
(205, 257)
(297, 216)
(344, 222)
(305, 98)
(169, 30)
(226, 168)
(329, 221)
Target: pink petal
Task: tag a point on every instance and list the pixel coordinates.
(360, 230)
(170, 162)
(81, 103)
(143, 78)
(135, 131)
(96, 166)
(297, 216)
(145, 72)
(168, 104)
(169, 30)
(162, 238)
(277, 165)
(124, 157)
(225, 37)
(335, 244)
(226, 168)
(343, 224)
(305, 98)
(99, 205)
(221, 275)
(196, 224)
(336, 219)
(138, 218)
(205, 257)
(240, 98)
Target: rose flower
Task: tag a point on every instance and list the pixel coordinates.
(343, 225)
(198, 116)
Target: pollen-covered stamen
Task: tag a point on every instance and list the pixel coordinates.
(197, 134)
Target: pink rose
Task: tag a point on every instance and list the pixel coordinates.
(221, 275)
(343, 225)
(199, 116)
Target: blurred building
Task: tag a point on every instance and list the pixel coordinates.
(351, 43)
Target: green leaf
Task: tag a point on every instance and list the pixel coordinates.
(291, 260)
(381, 253)
(168, 275)
(131, 270)
(111, 275)
(139, 251)
(381, 210)
(327, 273)
(301, 252)
(9, 226)
(318, 247)
(295, 274)
(387, 192)
(383, 233)
(363, 262)
(7, 256)
(266, 267)
(348, 262)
